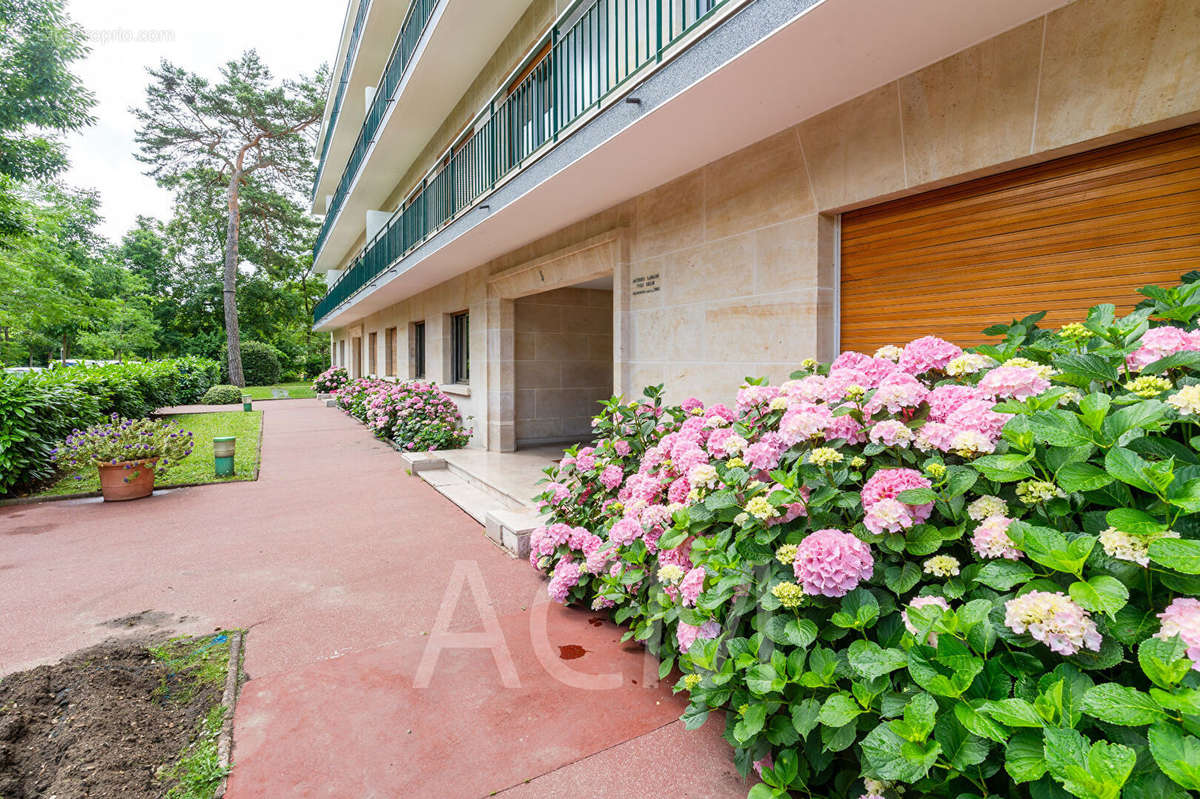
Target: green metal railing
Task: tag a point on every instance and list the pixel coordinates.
(402, 52)
(344, 79)
(604, 44)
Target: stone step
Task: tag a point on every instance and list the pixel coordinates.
(511, 529)
(474, 503)
(503, 498)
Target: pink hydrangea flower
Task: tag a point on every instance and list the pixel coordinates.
(804, 422)
(560, 493)
(927, 353)
(934, 435)
(678, 490)
(897, 391)
(832, 563)
(841, 379)
(622, 447)
(686, 634)
(691, 404)
(891, 433)
(691, 585)
(1159, 342)
(566, 577)
(945, 400)
(625, 531)
(1182, 618)
(765, 762)
(921, 602)
(612, 476)
(888, 483)
(1054, 619)
(765, 454)
(846, 427)
(991, 539)
(889, 516)
(1017, 382)
(978, 415)
(807, 389)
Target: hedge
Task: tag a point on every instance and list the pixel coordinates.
(926, 571)
(39, 409)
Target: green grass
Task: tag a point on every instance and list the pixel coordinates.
(197, 467)
(294, 390)
(196, 663)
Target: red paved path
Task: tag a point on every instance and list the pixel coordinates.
(338, 562)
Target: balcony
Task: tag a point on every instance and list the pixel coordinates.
(602, 47)
(441, 47)
(533, 164)
(356, 29)
(367, 38)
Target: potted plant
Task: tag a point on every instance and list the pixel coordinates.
(127, 453)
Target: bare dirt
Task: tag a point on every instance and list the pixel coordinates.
(98, 724)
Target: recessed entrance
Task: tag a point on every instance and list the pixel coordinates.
(563, 362)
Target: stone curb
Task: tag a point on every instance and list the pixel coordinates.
(229, 702)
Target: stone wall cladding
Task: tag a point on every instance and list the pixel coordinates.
(730, 270)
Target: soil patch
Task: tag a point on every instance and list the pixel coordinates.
(98, 724)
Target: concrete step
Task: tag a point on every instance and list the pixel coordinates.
(475, 503)
(511, 529)
(503, 498)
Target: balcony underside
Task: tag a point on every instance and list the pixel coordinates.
(375, 43)
(460, 38)
(772, 65)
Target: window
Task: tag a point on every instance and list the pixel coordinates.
(460, 348)
(372, 353)
(389, 339)
(418, 349)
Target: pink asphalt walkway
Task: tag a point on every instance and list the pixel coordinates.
(344, 568)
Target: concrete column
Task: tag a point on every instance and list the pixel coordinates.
(331, 277)
(368, 98)
(332, 351)
(376, 220)
(328, 202)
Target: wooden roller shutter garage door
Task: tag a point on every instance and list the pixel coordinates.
(1057, 237)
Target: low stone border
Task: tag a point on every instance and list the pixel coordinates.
(229, 702)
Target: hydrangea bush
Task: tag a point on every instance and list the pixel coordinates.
(925, 571)
(415, 414)
(331, 380)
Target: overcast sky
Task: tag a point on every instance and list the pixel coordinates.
(292, 36)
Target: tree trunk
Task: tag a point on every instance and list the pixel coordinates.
(232, 337)
(63, 351)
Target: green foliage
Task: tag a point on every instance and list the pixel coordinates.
(260, 363)
(222, 395)
(39, 409)
(38, 93)
(1095, 487)
(119, 440)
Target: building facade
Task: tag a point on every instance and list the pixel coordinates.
(537, 204)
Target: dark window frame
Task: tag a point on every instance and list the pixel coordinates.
(418, 336)
(460, 348)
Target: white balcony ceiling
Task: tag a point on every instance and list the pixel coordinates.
(461, 38)
(834, 52)
(375, 45)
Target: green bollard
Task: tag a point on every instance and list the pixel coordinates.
(223, 448)
(246, 403)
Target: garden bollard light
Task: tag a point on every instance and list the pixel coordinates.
(246, 402)
(223, 447)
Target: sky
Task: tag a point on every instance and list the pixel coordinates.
(292, 36)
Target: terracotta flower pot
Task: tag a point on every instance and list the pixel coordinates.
(127, 479)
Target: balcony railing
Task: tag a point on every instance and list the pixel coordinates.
(402, 52)
(600, 46)
(351, 49)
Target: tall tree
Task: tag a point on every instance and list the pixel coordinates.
(39, 95)
(247, 129)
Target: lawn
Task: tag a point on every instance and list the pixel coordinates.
(294, 391)
(197, 467)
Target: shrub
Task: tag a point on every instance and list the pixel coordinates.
(222, 395)
(260, 363)
(416, 415)
(38, 409)
(119, 440)
(331, 380)
(958, 574)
